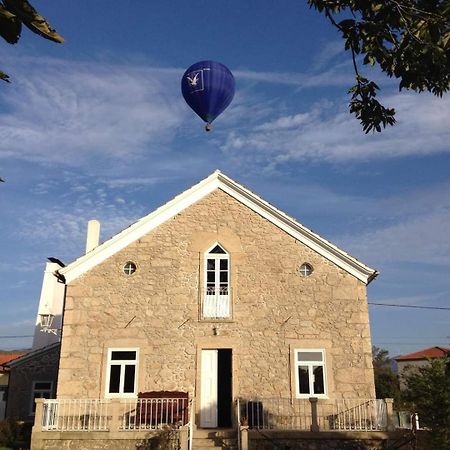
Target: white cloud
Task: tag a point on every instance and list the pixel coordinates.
(74, 113)
(326, 133)
(422, 239)
(338, 75)
(329, 51)
(411, 227)
(413, 299)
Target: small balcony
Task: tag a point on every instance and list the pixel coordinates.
(216, 303)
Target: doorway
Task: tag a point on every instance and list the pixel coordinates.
(216, 388)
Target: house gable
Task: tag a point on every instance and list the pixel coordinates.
(215, 181)
(162, 308)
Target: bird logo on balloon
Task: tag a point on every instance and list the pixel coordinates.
(194, 81)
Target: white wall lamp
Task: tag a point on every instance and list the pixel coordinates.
(46, 321)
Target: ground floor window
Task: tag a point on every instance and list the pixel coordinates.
(40, 389)
(310, 373)
(121, 376)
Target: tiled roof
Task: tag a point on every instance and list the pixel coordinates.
(7, 357)
(432, 352)
(33, 353)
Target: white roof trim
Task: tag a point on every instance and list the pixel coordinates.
(217, 180)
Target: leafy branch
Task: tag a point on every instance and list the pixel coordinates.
(408, 40)
(14, 13)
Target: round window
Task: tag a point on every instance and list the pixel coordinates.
(305, 269)
(129, 268)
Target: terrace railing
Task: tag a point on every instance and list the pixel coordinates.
(353, 415)
(313, 414)
(75, 415)
(112, 415)
(144, 414)
(154, 413)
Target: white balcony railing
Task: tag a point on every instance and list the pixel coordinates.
(154, 413)
(338, 415)
(216, 303)
(114, 415)
(353, 415)
(75, 415)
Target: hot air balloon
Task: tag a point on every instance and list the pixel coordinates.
(208, 88)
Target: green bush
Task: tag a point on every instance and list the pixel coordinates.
(14, 434)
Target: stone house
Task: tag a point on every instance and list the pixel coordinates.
(222, 296)
(33, 374)
(5, 358)
(418, 359)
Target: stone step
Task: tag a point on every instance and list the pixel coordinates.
(203, 446)
(214, 439)
(208, 445)
(228, 433)
(214, 443)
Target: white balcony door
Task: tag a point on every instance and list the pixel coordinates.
(217, 277)
(208, 401)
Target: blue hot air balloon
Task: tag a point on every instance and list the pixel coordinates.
(208, 88)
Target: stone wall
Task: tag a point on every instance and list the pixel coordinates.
(275, 310)
(103, 441)
(41, 367)
(319, 441)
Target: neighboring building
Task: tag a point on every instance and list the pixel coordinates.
(5, 358)
(419, 358)
(34, 374)
(219, 295)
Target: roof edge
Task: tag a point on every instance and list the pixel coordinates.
(307, 236)
(195, 193)
(30, 355)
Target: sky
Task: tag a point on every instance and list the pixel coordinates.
(97, 128)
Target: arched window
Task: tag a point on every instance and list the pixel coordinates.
(216, 303)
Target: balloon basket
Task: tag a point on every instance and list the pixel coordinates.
(208, 127)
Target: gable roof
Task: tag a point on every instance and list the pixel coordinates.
(33, 354)
(432, 352)
(7, 357)
(217, 180)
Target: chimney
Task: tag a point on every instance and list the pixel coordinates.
(93, 235)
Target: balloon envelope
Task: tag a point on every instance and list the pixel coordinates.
(208, 88)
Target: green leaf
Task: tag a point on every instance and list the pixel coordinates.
(10, 26)
(32, 19)
(4, 77)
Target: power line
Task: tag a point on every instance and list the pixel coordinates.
(410, 343)
(15, 337)
(410, 306)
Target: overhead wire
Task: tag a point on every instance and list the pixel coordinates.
(410, 306)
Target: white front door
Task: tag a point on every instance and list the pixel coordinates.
(208, 401)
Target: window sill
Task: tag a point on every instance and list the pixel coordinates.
(216, 320)
(307, 397)
(111, 396)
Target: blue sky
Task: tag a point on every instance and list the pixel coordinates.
(97, 128)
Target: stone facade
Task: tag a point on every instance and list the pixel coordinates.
(275, 310)
(41, 366)
(108, 441)
(320, 441)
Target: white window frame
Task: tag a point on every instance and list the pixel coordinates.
(310, 365)
(122, 363)
(217, 296)
(42, 391)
